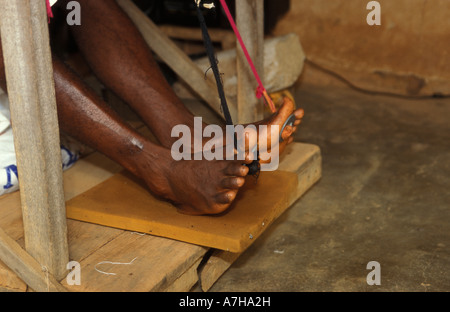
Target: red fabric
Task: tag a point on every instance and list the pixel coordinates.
(260, 91)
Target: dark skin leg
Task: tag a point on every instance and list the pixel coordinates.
(119, 57)
(107, 36)
(195, 187)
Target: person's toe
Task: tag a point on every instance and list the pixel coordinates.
(233, 183)
(287, 132)
(299, 113)
(226, 197)
(236, 170)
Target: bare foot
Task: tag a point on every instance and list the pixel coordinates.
(255, 135)
(210, 187)
(195, 187)
(279, 120)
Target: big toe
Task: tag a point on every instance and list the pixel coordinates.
(286, 109)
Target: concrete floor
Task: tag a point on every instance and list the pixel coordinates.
(384, 196)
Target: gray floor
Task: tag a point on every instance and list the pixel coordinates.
(384, 196)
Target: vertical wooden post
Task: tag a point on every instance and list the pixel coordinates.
(250, 22)
(29, 74)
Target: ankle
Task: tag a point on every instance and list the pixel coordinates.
(153, 165)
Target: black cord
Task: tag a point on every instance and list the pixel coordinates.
(254, 167)
(212, 58)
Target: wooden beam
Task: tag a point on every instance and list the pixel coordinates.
(250, 22)
(225, 37)
(29, 74)
(26, 267)
(175, 58)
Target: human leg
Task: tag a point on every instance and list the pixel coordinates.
(195, 187)
(119, 56)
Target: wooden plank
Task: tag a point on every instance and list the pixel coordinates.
(186, 281)
(26, 50)
(225, 37)
(218, 263)
(9, 281)
(11, 216)
(26, 267)
(305, 161)
(175, 58)
(154, 264)
(83, 238)
(88, 173)
(123, 202)
(88, 241)
(250, 22)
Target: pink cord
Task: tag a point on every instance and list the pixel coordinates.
(49, 10)
(260, 91)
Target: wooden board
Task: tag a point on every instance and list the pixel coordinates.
(122, 202)
(90, 244)
(161, 264)
(155, 265)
